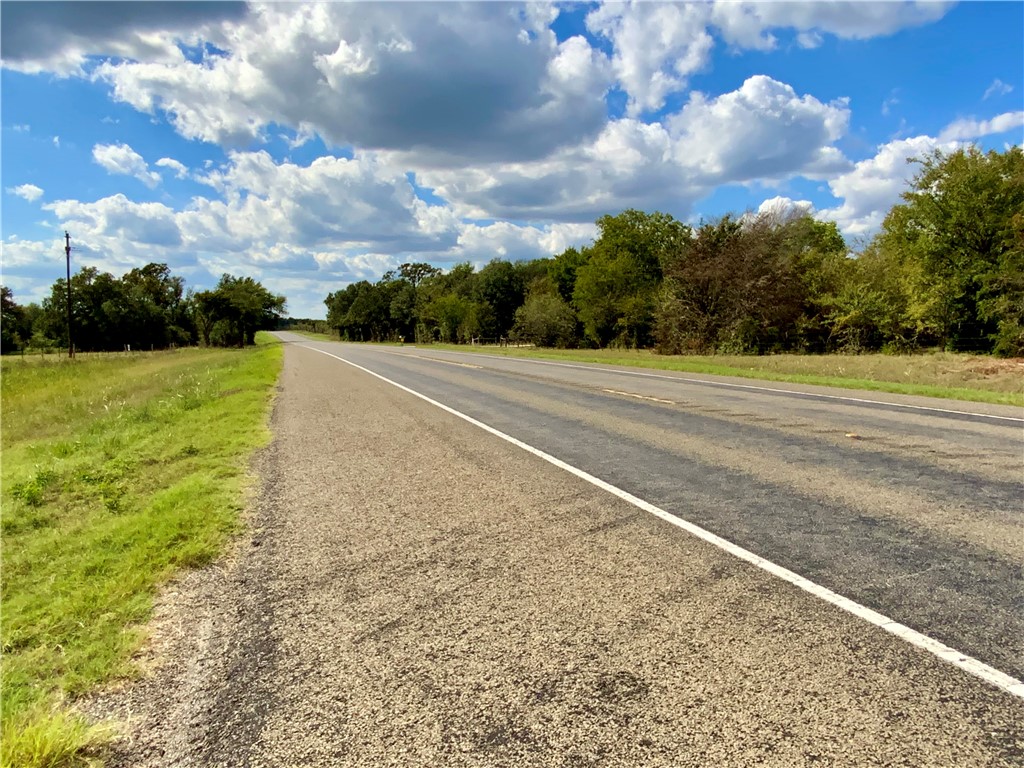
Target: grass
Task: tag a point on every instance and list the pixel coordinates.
(117, 473)
(949, 375)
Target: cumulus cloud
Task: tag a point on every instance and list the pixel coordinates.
(271, 217)
(358, 202)
(657, 46)
(58, 36)
(762, 131)
(481, 80)
(752, 24)
(122, 159)
(479, 102)
(28, 253)
(969, 128)
(118, 218)
(783, 207)
(179, 169)
(502, 239)
(28, 192)
(874, 185)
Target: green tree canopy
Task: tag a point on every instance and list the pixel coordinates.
(959, 229)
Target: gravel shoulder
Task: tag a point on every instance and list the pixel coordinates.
(414, 591)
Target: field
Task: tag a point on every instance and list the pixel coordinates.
(949, 375)
(118, 471)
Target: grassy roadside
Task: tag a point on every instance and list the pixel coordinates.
(947, 375)
(116, 474)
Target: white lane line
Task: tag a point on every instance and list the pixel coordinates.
(971, 665)
(638, 397)
(753, 387)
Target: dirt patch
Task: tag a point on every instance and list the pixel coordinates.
(991, 366)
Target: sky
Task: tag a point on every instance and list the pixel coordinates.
(313, 145)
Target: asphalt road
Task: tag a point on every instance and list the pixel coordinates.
(919, 515)
(417, 591)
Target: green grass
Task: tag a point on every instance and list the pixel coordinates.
(954, 376)
(117, 473)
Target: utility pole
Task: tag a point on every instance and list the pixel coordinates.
(67, 252)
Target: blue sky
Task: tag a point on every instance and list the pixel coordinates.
(313, 145)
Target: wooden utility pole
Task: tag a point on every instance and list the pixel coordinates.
(67, 252)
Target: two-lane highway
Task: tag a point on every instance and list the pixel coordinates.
(462, 560)
(912, 507)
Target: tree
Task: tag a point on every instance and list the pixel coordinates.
(97, 304)
(14, 330)
(499, 285)
(155, 301)
(452, 316)
(545, 320)
(960, 223)
(231, 313)
(563, 269)
(737, 286)
(417, 272)
(615, 289)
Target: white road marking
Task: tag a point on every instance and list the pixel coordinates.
(638, 397)
(971, 665)
(752, 387)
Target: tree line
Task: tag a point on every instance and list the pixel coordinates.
(147, 308)
(945, 270)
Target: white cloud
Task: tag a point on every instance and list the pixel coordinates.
(27, 253)
(810, 39)
(505, 240)
(751, 24)
(969, 128)
(137, 226)
(783, 207)
(657, 46)
(442, 80)
(179, 169)
(29, 192)
(761, 131)
(122, 159)
(359, 203)
(998, 88)
(874, 185)
(21, 128)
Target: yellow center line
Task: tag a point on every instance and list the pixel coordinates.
(639, 397)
